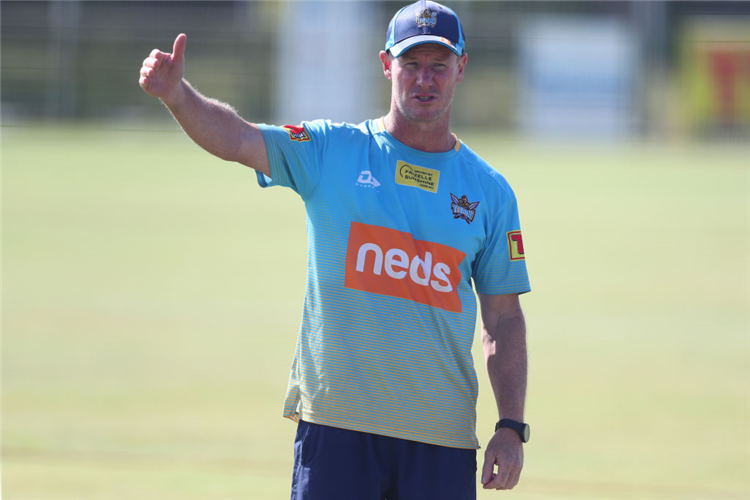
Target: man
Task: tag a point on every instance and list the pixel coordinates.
(401, 218)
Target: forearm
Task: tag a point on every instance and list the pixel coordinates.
(213, 125)
(507, 366)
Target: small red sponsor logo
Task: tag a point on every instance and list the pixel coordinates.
(390, 262)
(297, 133)
(515, 245)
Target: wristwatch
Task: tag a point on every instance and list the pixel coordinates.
(523, 430)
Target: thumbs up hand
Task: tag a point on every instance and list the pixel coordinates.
(162, 72)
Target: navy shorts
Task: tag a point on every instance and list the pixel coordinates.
(339, 464)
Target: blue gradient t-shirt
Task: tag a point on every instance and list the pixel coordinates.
(395, 238)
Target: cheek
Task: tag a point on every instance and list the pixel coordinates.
(449, 81)
(401, 83)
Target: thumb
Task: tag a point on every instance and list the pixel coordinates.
(178, 52)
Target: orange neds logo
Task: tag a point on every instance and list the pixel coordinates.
(390, 262)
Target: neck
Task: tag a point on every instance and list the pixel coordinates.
(429, 137)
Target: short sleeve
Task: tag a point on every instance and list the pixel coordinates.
(295, 155)
(500, 267)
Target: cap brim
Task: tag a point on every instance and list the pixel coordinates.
(399, 48)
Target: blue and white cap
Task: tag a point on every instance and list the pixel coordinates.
(424, 22)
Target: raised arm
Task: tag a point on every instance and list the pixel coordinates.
(504, 343)
(213, 125)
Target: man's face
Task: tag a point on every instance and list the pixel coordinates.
(423, 80)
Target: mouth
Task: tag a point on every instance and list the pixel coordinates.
(425, 98)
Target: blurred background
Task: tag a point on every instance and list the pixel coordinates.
(152, 293)
(616, 69)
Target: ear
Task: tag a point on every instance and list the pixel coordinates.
(462, 59)
(387, 61)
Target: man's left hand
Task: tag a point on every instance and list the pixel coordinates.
(506, 451)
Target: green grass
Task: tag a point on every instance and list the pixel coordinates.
(152, 295)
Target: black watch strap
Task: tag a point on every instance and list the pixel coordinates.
(523, 430)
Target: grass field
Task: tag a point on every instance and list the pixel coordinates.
(152, 295)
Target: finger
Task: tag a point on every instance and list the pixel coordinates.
(150, 62)
(513, 480)
(143, 82)
(488, 469)
(159, 56)
(500, 480)
(147, 71)
(178, 51)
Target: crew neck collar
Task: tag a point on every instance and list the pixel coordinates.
(379, 126)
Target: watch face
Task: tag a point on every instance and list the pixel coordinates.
(523, 430)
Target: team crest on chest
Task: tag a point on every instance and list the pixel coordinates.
(463, 208)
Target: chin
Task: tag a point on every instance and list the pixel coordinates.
(428, 116)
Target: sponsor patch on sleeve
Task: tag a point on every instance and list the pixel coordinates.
(515, 245)
(297, 133)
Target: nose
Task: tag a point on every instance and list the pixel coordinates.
(424, 76)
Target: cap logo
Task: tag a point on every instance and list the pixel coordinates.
(426, 19)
